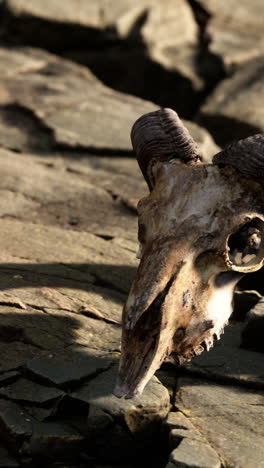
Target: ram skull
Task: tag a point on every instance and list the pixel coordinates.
(201, 228)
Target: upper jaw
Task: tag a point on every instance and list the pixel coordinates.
(178, 318)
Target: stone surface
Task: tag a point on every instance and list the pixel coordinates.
(252, 334)
(231, 418)
(156, 61)
(227, 362)
(15, 424)
(137, 413)
(69, 366)
(54, 440)
(69, 190)
(234, 109)
(26, 390)
(161, 40)
(115, 21)
(193, 454)
(66, 195)
(235, 30)
(59, 101)
(128, 423)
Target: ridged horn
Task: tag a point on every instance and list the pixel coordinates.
(247, 156)
(161, 136)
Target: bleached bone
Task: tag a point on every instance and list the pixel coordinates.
(201, 229)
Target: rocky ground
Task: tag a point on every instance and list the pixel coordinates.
(72, 82)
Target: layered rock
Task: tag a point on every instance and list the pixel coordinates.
(162, 39)
(234, 110)
(234, 30)
(47, 103)
(230, 418)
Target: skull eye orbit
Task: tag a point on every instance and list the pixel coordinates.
(246, 245)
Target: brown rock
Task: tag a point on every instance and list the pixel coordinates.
(160, 39)
(193, 453)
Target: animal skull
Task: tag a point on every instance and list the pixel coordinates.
(201, 229)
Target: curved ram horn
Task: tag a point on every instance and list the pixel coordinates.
(161, 136)
(247, 156)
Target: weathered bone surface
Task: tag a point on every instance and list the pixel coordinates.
(200, 229)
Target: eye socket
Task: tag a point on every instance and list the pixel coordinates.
(246, 246)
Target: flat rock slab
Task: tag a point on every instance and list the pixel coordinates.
(110, 20)
(147, 48)
(15, 424)
(27, 390)
(58, 102)
(69, 366)
(234, 30)
(228, 362)
(193, 454)
(234, 109)
(67, 192)
(63, 105)
(231, 418)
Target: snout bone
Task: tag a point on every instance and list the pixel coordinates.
(201, 228)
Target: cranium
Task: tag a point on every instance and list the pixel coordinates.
(201, 228)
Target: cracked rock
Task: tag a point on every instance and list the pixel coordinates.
(235, 30)
(231, 419)
(138, 418)
(26, 390)
(69, 366)
(16, 354)
(55, 105)
(193, 454)
(180, 427)
(227, 113)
